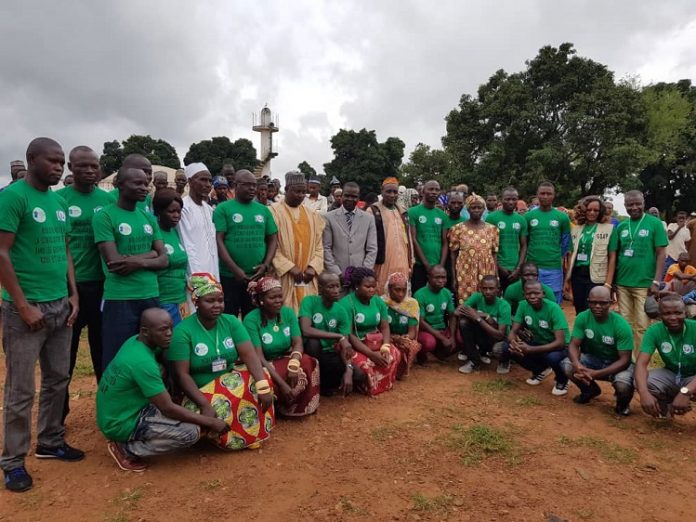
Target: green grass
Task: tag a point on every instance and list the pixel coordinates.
(382, 433)
(478, 442)
(83, 365)
(348, 506)
(211, 484)
(529, 400)
(609, 450)
(424, 504)
(493, 386)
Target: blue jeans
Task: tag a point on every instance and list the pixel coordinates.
(156, 434)
(174, 312)
(120, 322)
(553, 278)
(622, 381)
(538, 362)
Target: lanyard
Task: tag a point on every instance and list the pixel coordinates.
(217, 335)
(630, 231)
(679, 347)
(587, 234)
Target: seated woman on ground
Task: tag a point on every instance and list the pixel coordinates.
(326, 327)
(204, 348)
(404, 314)
(376, 357)
(275, 333)
(438, 324)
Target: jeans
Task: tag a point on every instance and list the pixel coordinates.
(237, 299)
(475, 341)
(553, 278)
(664, 386)
(419, 277)
(621, 381)
(538, 362)
(174, 312)
(90, 294)
(156, 434)
(51, 347)
(582, 284)
(632, 308)
(120, 322)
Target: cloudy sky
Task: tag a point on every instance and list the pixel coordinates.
(88, 72)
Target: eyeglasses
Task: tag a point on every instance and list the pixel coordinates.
(600, 303)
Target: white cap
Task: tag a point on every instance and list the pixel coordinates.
(194, 168)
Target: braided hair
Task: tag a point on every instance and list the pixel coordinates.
(353, 276)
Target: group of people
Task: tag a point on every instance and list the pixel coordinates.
(210, 312)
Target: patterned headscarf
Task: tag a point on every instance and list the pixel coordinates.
(474, 198)
(390, 181)
(201, 284)
(261, 286)
(409, 306)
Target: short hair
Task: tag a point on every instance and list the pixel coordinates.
(671, 298)
(163, 198)
(529, 283)
(455, 193)
(352, 185)
(682, 213)
(634, 194)
(488, 278)
(355, 275)
(546, 183)
(436, 267)
(529, 264)
(491, 194)
(79, 148)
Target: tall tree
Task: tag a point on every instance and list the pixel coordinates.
(217, 151)
(158, 151)
(306, 169)
(426, 163)
(111, 158)
(359, 157)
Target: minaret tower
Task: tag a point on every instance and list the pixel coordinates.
(266, 127)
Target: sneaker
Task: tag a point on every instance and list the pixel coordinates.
(503, 367)
(462, 357)
(586, 397)
(625, 412)
(623, 406)
(64, 452)
(537, 379)
(468, 368)
(125, 462)
(18, 480)
(560, 389)
(485, 359)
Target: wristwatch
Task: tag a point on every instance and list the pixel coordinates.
(349, 366)
(685, 391)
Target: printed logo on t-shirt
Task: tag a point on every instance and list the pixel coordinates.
(443, 306)
(60, 215)
(200, 349)
(501, 225)
(97, 209)
(228, 343)
(528, 320)
(607, 339)
(74, 211)
(169, 248)
(389, 319)
(147, 229)
(624, 233)
(38, 215)
(534, 222)
(687, 348)
(589, 334)
(553, 223)
(515, 226)
(237, 218)
(403, 319)
(543, 324)
(438, 221)
(359, 318)
(332, 323)
(643, 232)
(317, 318)
(665, 347)
(286, 331)
(422, 219)
(125, 229)
(379, 317)
(266, 338)
(259, 218)
(430, 308)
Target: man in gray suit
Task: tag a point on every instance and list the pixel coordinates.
(350, 235)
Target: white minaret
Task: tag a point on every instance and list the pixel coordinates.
(266, 127)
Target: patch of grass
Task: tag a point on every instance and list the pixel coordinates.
(83, 364)
(609, 450)
(211, 484)
(496, 385)
(529, 400)
(478, 442)
(131, 496)
(424, 504)
(348, 506)
(383, 433)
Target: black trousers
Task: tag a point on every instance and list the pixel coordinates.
(237, 299)
(419, 277)
(331, 366)
(476, 341)
(582, 284)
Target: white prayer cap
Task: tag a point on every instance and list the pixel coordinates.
(194, 168)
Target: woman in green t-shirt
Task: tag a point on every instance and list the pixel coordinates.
(167, 205)
(275, 333)
(403, 316)
(376, 360)
(204, 349)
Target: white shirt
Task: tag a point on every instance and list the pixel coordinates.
(677, 244)
(321, 204)
(197, 233)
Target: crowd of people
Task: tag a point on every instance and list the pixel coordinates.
(217, 305)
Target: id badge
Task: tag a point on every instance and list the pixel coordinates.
(628, 252)
(582, 257)
(219, 364)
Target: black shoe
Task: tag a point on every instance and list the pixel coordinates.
(623, 407)
(64, 452)
(587, 396)
(18, 480)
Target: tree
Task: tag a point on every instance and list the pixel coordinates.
(425, 163)
(306, 169)
(217, 151)
(563, 118)
(158, 151)
(359, 157)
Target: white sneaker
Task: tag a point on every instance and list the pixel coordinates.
(468, 368)
(503, 368)
(537, 379)
(560, 389)
(485, 359)
(462, 357)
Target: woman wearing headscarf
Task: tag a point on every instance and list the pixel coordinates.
(473, 246)
(403, 316)
(204, 349)
(275, 333)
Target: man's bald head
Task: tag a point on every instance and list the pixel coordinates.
(601, 293)
(326, 278)
(243, 175)
(138, 161)
(80, 149)
(153, 317)
(39, 146)
(45, 161)
(155, 328)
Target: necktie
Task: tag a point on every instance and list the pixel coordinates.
(349, 220)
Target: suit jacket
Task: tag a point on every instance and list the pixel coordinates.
(343, 248)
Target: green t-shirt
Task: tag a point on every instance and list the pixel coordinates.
(81, 210)
(498, 310)
(332, 320)
(428, 224)
(131, 379)
(543, 322)
(399, 323)
(39, 254)
(635, 250)
(145, 205)
(133, 232)
(434, 306)
(449, 222)
(545, 231)
(274, 337)
(172, 280)
(510, 227)
(603, 340)
(246, 226)
(673, 348)
(514, 294)
(365, 317)
(202, 348)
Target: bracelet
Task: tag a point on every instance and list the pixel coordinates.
(293, 370)
(293, 365)
(608, 285)
(296, 352)
(262, 387)
(343, 338)
(385, 346)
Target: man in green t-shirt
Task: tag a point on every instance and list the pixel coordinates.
(247, 239)
(549, 239)
(512, 230)
(438, 324)
(538, 338)
(131, 247)
(483, 322)
(600, 350)
(39, 308)
(84, 199)
(514, 294)
(670, 389)
(429, 235)
(640, 256)
(326, 327)
(134, 410)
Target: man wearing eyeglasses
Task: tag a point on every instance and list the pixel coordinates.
(600, 349)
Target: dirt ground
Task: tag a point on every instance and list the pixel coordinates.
(440, 446)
